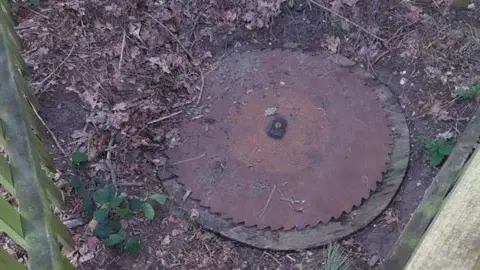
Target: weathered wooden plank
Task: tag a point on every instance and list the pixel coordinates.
(41, 245)
(453, 239)
(10, 222)
(7, 262)
(63, 233)
(434, 196)
(6, 175)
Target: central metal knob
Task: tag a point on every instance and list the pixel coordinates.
(278, 127)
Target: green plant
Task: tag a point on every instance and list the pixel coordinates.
(436, 150)
(107, 205)
(337, 258)
(469, 92)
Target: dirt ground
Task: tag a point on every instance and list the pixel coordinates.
(104, 69)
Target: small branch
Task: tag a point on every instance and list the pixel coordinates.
(171, 34)
(164, 118)
(348, 20)
(109, 163)
(55, 140)
(189, 159)
(130, 184)
(201, 88)
(54, 70)
(121, 54)
(264, 209)
(273, 257)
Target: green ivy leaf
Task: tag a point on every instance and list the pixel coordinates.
(101, 196)
(102, 214)
(116, 201)
(148, 211)
(135, 205)
(114, 239)
(132, 246)
(102, 230)
(79, 158)
(115, 225)
(76, 183)
(87, 202)
(158, 198)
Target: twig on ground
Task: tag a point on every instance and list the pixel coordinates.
(130, 184)
(201, 88)
(349, 21)
(164, 118)
(109, 163)
(121, 55)
(39, 14)
(171, 34)
(54, 70)
(189, 159)
(74, 223)
(55, 140)
(264, 209)
(273, 257)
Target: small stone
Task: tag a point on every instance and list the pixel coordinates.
(165, 174)
(373, 261)
(282, 83)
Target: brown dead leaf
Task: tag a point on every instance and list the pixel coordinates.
(166, 241)
(436, 107)
(391, 216)
(194, 214)
(336, 5)
(134, 30)
(333, 43)
(116, 119)
(162, 63)
(350, 3)
(230, 15)
(92, 243)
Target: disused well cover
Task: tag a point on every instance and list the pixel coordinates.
(288, 139)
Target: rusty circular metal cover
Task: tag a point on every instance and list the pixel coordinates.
(287, 140)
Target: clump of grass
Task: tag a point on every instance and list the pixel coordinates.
(469, 92)
(337, 258)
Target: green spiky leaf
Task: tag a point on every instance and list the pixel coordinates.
(148, 211)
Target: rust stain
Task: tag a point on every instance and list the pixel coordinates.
(331, 156)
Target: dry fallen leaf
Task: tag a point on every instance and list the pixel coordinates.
(435, 109)
(194, 214)
(166, 241)
(445, 135)
(162, 63)
(134, 30)
(116, 119)
(270, 111)
(333, 43)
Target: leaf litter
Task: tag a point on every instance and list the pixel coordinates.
(168, 45)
